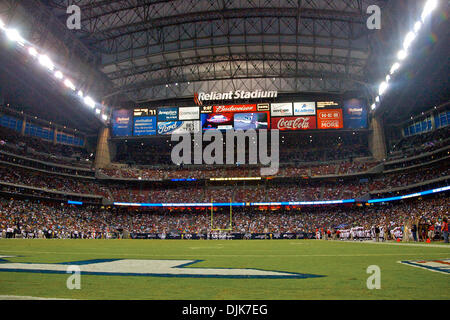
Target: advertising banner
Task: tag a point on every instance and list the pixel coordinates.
(189, 113)
(235, 108)
(178, 127)
(330, 119)
(231, 236)
(167, 114)
(281, 109)
(122, 124)
(294, 123)
(145, 112)
(304, 108)
(263, 107)
(327, 104)
(247, 121)
(144, 126)
(355, 114)
(219, 121)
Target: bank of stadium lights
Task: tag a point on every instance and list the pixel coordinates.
(14, 36)
(429, 7)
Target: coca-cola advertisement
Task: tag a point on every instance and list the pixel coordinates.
(294, 123)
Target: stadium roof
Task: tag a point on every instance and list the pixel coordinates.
(159, 49)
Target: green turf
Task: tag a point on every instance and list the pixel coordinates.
(343, 265)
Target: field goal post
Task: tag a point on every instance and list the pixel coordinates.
(212, 218)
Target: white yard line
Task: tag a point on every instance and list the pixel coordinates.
(402, 244)
(7, 297)
(121, 255)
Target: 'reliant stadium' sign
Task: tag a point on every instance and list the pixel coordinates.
(233, 95)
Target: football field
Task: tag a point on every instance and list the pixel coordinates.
(220, 269)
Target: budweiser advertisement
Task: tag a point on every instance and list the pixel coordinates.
(330, 119)
(235, 108)
(294, 123)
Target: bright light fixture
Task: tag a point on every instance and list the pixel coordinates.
(377, 99)
(402, 54)
(383, 87)
(408, 40)
(97, 111)
(2, 24)
(14, 35)
(32, 51)
(80, 94)
(373, 106)
(417, 26)
(46, 62)
(69, 84)
(59, 75)
(104, 117)
(89, 102)
(428, 9)
(395, 67)
(388, 78)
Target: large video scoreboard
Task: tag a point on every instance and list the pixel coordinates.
(286, 116)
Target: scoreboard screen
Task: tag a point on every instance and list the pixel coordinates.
(296, 115)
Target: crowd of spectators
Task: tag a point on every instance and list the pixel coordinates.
(420, 143)
(206, 172)
(302, 190)
(37, 179)
(295, 149)
(40, 149)
(35, 219)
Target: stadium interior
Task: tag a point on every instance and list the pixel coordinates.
(86, 116)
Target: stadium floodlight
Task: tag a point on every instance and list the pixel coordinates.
(32, 51)
(46, 62)
(382, 88)
(69, 84)
(15, 36)
(429, 8)
(89, 102)
(417, 26)
(408, 40)
(395, 67)
(59, 75)
(402, 54)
